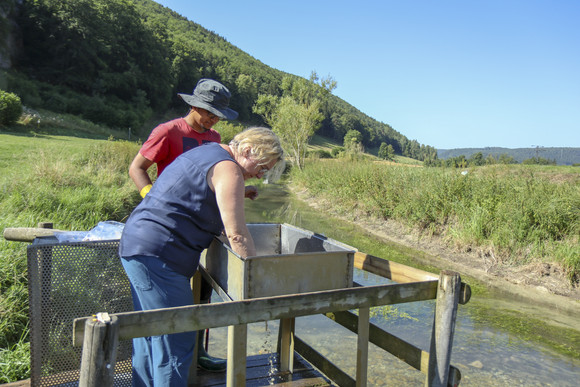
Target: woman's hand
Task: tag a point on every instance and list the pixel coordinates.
(251, 192)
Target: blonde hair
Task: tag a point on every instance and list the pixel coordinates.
(262, 142)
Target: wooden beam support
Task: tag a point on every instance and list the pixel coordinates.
(362, 352)
(99, 352)
(237, 349)
(195, 317)
(443, 329)
(323, 364)
(286, 333)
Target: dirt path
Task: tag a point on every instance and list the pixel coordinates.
(542, 285)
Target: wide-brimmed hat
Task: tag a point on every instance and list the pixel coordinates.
(213, 97)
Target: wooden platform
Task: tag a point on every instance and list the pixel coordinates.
(260, 372)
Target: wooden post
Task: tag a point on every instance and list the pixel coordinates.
(99, 351)
(237, 343)
(443, 329)
(286, 347)
(362, 353)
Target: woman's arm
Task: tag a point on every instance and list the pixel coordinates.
(227, 181)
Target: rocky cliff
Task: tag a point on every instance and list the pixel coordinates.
(9, 32)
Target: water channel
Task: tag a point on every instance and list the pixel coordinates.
(486, 352)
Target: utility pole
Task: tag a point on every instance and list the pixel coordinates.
(537, 150)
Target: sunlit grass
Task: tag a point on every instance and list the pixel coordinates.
(73, 183)
(519, 213)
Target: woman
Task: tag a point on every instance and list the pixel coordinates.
(198, 196)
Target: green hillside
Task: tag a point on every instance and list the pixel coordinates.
(121, 63)
(562, 156)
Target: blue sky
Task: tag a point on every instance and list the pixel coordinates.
(450, 74)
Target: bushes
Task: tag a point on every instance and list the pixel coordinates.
(110, 111)
(10, 108)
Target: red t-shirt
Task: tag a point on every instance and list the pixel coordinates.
(172, 138)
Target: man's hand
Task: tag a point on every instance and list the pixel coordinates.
(251, 192)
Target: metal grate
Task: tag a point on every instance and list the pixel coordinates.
(67, 281)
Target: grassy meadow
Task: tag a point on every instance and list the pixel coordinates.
(70, 181)
(516, 213)
(520, 213)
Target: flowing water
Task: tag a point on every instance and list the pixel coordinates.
(488, 347)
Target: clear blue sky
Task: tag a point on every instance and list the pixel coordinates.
(450, 74)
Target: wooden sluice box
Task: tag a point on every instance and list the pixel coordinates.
(288, 260)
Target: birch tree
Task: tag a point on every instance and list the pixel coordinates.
(295, 124)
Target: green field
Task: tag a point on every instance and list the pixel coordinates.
(72, 182)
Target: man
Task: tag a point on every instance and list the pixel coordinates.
(208, 104)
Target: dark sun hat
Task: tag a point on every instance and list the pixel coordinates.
(213, 97)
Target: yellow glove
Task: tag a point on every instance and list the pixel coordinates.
(145, 190)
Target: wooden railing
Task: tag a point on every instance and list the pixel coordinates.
(99, 337)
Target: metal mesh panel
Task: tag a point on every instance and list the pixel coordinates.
(67, 281)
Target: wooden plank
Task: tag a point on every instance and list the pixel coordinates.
(401, 273)
(391, 270)
(27, 234)
(20, 383)
(305, 383)
(261, 372)
(195, 317)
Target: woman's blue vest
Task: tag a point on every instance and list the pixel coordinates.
(179, 217)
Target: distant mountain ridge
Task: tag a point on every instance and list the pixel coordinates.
(562, 155)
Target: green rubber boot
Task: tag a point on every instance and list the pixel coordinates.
(207, 362)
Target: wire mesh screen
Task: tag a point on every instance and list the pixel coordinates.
(67, 281)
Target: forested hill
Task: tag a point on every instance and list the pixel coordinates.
(561, 156)
(119, 62)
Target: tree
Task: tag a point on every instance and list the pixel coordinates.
(353, 144)
(539, 161)
(504, 158)
(490, 160)
(247, 93)
(476, 159)
(10, 108)
(386, 151)
(351, 138)
(293, 122)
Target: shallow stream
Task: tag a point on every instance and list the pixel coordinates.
(488, 349)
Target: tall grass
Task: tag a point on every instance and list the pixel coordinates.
(519, 213)
(71, 182)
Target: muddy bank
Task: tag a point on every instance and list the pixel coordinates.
(541, 286)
